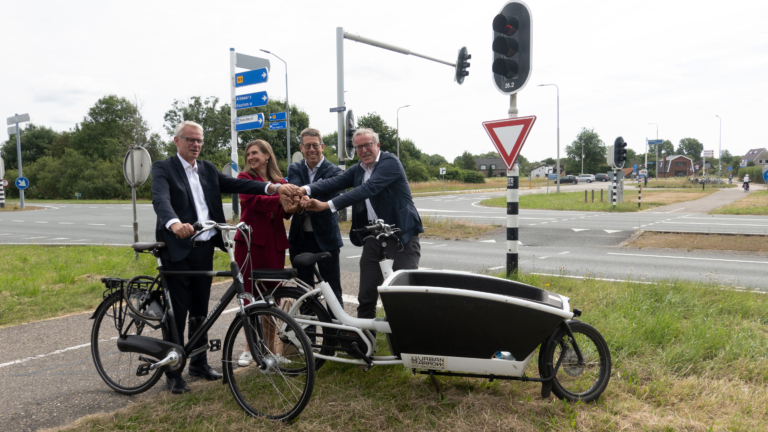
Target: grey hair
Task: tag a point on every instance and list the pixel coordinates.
(366, 131)
(180, 126)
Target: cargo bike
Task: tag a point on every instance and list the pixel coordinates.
(450, 323)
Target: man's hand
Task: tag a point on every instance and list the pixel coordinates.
(314, 205)
(182, 230)
(291, 205)
(288, 190)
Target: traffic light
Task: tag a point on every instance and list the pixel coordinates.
(462, 64)
(619, 152)
(349, 131)
(512, 47)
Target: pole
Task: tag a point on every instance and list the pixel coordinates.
(613, 191)
(720, 148)
(646, 157)
(340, 102)
(133, 197)
(233, 127)
(287, 117)
(582, 157)
(18, 153)
(513, 200)
(443, 183)
(640, 190)
(398, 129)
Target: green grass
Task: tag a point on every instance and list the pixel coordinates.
(686, 356)
(756, 203)
(38, 282)
(575, 201)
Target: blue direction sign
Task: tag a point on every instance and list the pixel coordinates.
(552, 176)
(277, 116)
(730, 168)
(765, 174)
(22, 183)
(650, 163)
(655, 142)
(249, 122)
(277, 125)
(251, 100)
(257, 76)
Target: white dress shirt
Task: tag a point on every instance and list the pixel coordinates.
(307, 224)
(201, 208)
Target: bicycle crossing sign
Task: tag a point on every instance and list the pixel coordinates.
(508, 136)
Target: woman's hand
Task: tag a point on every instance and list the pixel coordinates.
(291, 204)
(314, 205)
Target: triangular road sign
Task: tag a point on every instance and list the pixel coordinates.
(509, 135)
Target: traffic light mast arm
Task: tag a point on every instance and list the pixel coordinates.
(386, 46)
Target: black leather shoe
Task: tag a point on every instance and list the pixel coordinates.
(176, 385)
(206, 372)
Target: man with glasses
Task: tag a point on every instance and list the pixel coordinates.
(185, 191)
(381, 191)
(316, 232)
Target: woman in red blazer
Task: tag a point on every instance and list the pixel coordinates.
(265, 215)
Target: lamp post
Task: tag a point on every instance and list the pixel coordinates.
(720, 147)
(398, 129)
(557, 168)
(657, 150)
(287, 110)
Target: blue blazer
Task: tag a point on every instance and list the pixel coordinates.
(388, 191)
(172, 198)
(325, 224)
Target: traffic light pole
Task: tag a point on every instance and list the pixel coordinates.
(614, 196)
(340, 103)
(513, 201)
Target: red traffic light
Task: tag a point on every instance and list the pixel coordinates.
(505, 24)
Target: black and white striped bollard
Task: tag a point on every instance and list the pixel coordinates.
(639, 192)
(512, 223)
(614, 192)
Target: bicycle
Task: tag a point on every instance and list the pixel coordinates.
(134, 339)
(427, 312)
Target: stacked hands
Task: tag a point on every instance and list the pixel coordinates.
(295, 200)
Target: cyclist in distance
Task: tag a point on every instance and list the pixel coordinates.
(746, 182)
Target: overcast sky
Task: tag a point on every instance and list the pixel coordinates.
(619, 65)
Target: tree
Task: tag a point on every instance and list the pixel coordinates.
(112, 125)
(690, 147)
(436, 160)
(465, 161)
(490, 155)
(35, 143)
(549, 161)
(666, 149)
(727, 157)
(594, 152)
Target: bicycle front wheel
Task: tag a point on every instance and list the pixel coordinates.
(575, 382)
(282, 386)
(119, 369)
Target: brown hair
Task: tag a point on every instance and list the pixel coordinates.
(310, 132)
(273, 172)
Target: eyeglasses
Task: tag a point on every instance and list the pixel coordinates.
(366, 146)
(192, 140)
(311, 146)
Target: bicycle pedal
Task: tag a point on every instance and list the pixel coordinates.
(143, 369)
(215, 345)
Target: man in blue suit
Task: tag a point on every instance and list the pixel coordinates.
(185, 191)
(316, 232)
(381, 191)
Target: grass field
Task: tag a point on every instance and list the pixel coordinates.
(575, 200)
(747, 243)
(685, 357)
(756, 203)
(682, 182)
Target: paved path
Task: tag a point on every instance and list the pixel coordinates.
(706, 204)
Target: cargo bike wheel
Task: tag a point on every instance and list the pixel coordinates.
(573, 381)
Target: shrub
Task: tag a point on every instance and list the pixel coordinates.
(473, 177)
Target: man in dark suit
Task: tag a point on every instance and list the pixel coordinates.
(381, 191)
(316, 232)
(185, 191)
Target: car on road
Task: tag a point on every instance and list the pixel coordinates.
(569, 179)
(601, 177)
(589, 178)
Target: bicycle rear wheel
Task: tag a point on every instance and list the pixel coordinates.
(281, 389)
(118, 369)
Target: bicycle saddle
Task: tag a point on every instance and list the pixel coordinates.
(141, 247)
(308, 259)
(288, 273)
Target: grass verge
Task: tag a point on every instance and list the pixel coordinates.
(722, 242)
(490, 183)
(685, 357)
(680, 182)
(38, 282)
(86, 201)
(756, 203)
(575, 200)
(11, 207)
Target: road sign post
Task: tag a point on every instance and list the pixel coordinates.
(508, 136)
(442, 173)
(15, 120)
(3, 183)
(137, 166)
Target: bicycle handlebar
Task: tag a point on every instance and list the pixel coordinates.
(378, 227)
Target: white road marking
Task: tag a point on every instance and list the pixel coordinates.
(17, 221)
(44, 355)
(30, 238)
(543, 257)
(487, 241)
(563, 253)
(96, 224)
(612, 231)
(126, 226)
(496, 268)
(690, 258)
(40, 222)
(354, 256)
(61, 238)
(580, 229)
(710, 223)
(66, 223)
(421, 242)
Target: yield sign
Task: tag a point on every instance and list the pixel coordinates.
(509, 135)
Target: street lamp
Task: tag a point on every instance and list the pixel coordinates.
(557, 168)
(287, 110)
(720, 147)
(657, 150)
(398, 129)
